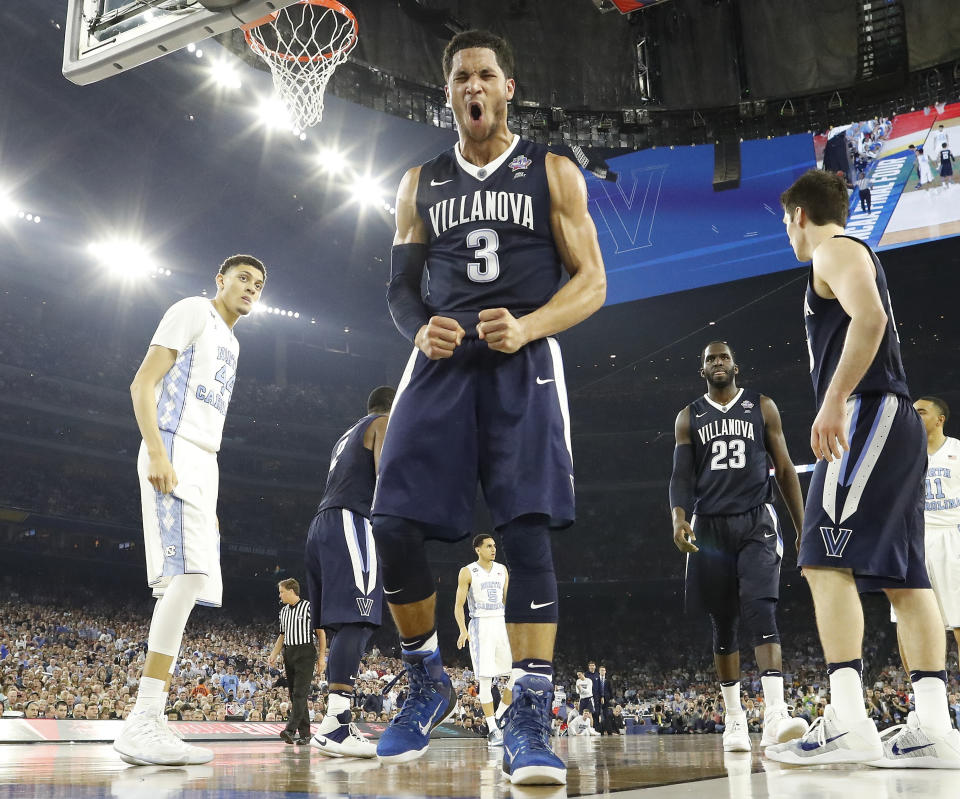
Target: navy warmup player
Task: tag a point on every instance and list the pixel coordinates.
(863, 521)
(946, 164)
(721, 474)
(343, 574)
(488, 228)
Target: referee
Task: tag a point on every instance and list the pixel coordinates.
(299, 658)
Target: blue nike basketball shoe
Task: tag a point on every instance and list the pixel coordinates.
(527, 756)
(430, 700)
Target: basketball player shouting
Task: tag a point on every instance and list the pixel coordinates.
(863, 522)
(180, 397)
(495, 220)
(343, 573)
(483, 586)
(720, 473)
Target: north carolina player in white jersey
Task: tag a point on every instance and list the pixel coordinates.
(180, 398)
(483, 586)
(941, 515)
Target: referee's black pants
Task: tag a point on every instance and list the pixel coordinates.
(299, 662)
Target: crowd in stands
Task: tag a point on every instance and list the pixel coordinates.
(77, 653)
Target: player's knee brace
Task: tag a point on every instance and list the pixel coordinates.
(485, 694)
(532, 595)
(403, 558)
(760, 621)
(172, 611)
(347, 648)
(725, 640)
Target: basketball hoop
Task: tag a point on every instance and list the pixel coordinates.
(303, 44)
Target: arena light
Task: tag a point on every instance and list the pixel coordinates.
(224, 74)
(273, 114)
(124, 257)
(366, 191)
(331, 161)
(8, 207)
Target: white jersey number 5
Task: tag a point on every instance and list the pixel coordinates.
(485, 243)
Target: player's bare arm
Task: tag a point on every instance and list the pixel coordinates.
(321, 651)
(506, 585)
(576, 239)
(373, 439)
(683, 535)
(463, 585)
(156, 364)
(784, 472)
(441, 335)
(842, 269)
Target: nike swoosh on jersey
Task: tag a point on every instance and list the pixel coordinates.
(701, 414)
(542, 382)
(537, 606)
(439, 182)
(769, 535)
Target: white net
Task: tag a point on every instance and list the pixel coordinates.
(303, 44)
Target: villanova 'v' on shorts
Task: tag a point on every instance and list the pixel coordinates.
(864, 512)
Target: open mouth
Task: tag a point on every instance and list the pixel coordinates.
(476, 111)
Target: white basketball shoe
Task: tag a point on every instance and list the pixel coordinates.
(830, 741)
(736, 735)
(779, 727)
(338, 736)
(912, 746)
(144, 740)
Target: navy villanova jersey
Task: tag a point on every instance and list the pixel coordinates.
(490, 242)
(729, 455)
(352, 476)
(827, 323)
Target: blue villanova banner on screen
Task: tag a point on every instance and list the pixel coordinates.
(662, 228)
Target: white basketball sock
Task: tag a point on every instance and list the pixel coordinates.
(150, 697)
(491, 723)
(731, 699)
(930, 698)
(336, 704)
(773, 692)
(846, 695)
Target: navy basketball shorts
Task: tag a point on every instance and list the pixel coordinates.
(864, 512)
(739, 559)
(343, 574)
(481, 416)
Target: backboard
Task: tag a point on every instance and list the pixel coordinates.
(107, 37)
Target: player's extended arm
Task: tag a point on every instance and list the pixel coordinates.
(784, 471)
(575, 236)
(506, 585)
(843, 269)
(681, 484)
(463, 585)
(156, 364)
(437, 336)
(321, 650)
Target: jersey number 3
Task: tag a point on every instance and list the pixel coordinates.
(736, 449)
(484, 243)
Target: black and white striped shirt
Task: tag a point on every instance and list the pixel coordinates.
(295, 624)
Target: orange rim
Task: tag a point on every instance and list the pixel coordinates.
(333, 5)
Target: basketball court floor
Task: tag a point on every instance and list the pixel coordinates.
(646, 766)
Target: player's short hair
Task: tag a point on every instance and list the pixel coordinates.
(821, 194)
(479, 539)
(290, 585)
(381, 399)
(237, 260)
(942, 408)
(709, 344)
(479, 38)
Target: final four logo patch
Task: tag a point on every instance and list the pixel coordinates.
(520, 163)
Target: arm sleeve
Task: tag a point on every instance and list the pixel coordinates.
(681, 481)
(182, 324)
(403, 293)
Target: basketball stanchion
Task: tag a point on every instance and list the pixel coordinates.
(303, 44)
